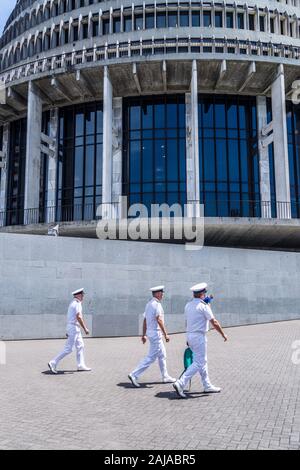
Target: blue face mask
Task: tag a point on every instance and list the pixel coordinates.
(208, 299)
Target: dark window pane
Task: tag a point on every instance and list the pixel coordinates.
(105, 26)
(240, 20)
(172, 19)
(138, 22)
(184, 18)
(228, 158)
(149, 20)
(229, 20)
(135, 117)
(161, 20)
(195, 19)
(206, 18)
(116, 25)
(157, 157)
(127, 23)
(218, 19)
(147, 116)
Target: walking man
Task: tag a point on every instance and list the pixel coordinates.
(153, 329)
(75, 321)
(198, 315)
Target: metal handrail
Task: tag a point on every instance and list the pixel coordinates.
(88, 212)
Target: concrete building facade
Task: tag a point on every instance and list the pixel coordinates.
(162, 102)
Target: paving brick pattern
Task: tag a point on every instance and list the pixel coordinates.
(258, 408)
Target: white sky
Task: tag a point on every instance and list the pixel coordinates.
(6, 7)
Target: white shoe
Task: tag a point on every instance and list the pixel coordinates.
(169, 380)
(52, 367)
(133, 381)
(179, 389)
(84, 369)
(212, 389)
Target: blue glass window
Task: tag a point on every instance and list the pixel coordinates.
(16, 174)
(293, 129)
(240, 20)
(154, 150)
(218, 19)
(149, 18)
(161, 19)
(184, 18)
(195, 18)
(80, 162)
(138, 22)
(229, 20)
(127, 23)
(172, 19)
(206, 18)
(116, 24)
(228, 157)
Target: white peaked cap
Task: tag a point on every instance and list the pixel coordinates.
(199, 287)
(157, 288)
(78, 291)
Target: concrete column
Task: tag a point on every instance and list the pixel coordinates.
(4, 174)
(117, 127)
(33, 154)
(264, 164)
(281, 158)
(192, 147)
(52, 167)
(107, 144)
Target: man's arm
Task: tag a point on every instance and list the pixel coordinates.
(218, 327)
(82, 324)
(163, 329)
(144, 337)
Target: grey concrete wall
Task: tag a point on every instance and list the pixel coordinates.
(37, 274)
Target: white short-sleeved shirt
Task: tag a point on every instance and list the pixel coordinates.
(74, 308)
(153, 310)
(198, 315)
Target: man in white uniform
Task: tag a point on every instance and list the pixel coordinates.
(154, 327)
(75, 321)
(198, 315)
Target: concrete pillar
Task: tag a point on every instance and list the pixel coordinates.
(192, 147)
(264, 164)
(52, 167)
(33, 155)
(281, 158)
(117, 127)
(107, 144)
(4, 175)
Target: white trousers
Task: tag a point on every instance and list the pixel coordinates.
(157, 350)
(74, 340)
(198, 344)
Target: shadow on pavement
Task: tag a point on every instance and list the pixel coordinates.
(172, 395)
(59, 372)
(129, 385)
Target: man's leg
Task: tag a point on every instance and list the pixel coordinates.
(67, 350)
(162, 358)
(148, 360)
(79, 345)
(197, 344)
(202, 362)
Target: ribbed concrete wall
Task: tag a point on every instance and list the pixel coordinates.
(37, 274)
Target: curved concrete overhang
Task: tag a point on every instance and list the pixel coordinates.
(242, 232)
(157, 74)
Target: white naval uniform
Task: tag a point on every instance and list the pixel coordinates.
(198, 315)
(74, 336)
(157, 348)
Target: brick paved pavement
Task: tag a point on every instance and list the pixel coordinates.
(259, 407)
